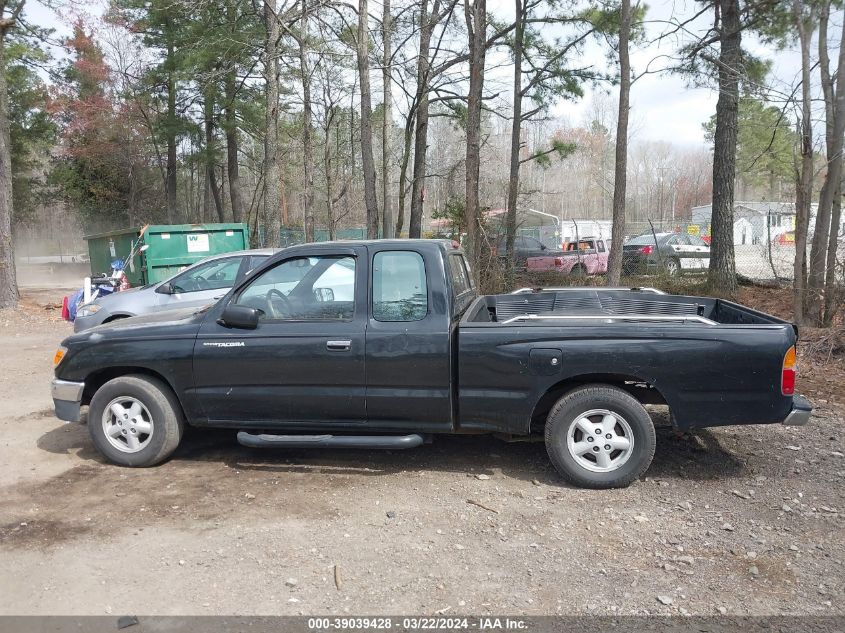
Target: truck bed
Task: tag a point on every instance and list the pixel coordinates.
(595, 306)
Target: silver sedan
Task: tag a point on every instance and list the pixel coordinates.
(201, 284)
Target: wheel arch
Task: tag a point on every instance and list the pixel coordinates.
(118, 316)
(97, 379)
(643, 390)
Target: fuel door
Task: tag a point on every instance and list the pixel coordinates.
(545, 361)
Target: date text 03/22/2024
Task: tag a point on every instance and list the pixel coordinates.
(487, 623)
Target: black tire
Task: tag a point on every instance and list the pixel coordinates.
(162, 409)
(571, 408)
(578, 270)
(672, 267)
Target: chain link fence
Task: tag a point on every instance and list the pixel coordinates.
(764, 247)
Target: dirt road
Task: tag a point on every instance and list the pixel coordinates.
(735, 520)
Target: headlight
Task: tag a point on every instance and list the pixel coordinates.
(88, 309)
(59, 356)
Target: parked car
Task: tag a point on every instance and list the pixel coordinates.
(414, 352)
(672, 253)
(525, 248)
(786, 238)
(196, 286)
(588, 256)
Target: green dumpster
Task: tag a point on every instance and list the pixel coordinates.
(172, 247)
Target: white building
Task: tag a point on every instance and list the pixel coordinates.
(755, 222)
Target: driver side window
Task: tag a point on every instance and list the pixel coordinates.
(304, 289)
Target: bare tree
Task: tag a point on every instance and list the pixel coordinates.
(307, 139)
(9, 14)
(830, 289)
(387, 121)
(804, 23)
(620, 180)
(367, 161)
(428, 21)
(272, 171)
(475, 14)
(834, 96)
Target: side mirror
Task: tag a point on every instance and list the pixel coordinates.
(241, 317)
(165, 289)
(543, 247)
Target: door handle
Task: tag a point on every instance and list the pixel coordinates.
(339, 346)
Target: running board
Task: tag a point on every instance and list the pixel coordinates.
(331, 441)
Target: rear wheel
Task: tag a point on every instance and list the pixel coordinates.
(135, 421)
(598, 436)
(578, 270)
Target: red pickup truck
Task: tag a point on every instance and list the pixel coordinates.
(587, 256)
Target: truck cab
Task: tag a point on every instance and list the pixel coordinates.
(338, 335)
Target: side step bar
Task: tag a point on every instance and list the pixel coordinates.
(331, 441)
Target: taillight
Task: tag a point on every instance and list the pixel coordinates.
(558, 261)
(787, 377)
(647, 250)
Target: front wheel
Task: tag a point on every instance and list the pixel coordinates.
(135, 421)
(598, 436)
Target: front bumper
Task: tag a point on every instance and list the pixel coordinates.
(800, 414)
(67, 399)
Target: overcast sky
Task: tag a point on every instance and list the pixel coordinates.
(664, 106)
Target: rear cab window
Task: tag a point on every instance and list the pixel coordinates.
(461, 279)
(400, 291)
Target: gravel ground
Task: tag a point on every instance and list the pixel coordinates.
(741, 520)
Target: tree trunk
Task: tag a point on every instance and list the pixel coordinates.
(8, 277)
(830, 286)
(170, 133)
(835, 133)
(722, 274)
(403, 171)
(327, 166)
(232, 167)
(620, 178)
(427, 23)
(307, 138)
(475, 13)
(387, 123)
(804, 175)
(272, 173)
(210, 150)
(367, 161)
(516, 142)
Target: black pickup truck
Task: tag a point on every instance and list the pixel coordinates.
(385, 344)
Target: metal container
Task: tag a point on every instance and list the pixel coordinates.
(172, 247)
